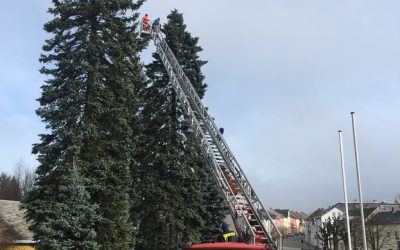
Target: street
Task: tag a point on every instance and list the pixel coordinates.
(294, 242)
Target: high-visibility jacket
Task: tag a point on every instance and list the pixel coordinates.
(227, 235)
(145, 19)
(145, 23)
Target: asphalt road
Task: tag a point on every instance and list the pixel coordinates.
(294, 243)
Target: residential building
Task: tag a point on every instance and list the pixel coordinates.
(315, 221)
(288, 222)
(372, 211)
(311, 228)
(278, 220)
(384, 228)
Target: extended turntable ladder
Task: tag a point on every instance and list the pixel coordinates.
(246, 209)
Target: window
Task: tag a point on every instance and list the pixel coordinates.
(388, 234)
(397, 235)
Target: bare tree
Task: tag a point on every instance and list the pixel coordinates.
(331, 232)
(9, 188)
(324, 233)
(19, 170)
(25, 176)
(377, 236)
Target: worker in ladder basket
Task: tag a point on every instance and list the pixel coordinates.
(156, 25)
(145, 23)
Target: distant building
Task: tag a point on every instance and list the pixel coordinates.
(397, 199)
(14, 233)
(312, 224)
(372, 212)
(288, 222)
(388, 223)
(277, 218)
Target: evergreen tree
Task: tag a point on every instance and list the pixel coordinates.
(173, 181)
(88, 104)
(186, 50)
(71, 226)
(164, 181)
(215, 209)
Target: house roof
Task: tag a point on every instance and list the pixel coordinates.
(299, 215)
(284, 212)
(317, 213)
(354, 208)
(357, 212)
(13, 225)
(386, 218)
(356, 205)
(274, 214)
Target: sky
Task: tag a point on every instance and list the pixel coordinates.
(283, 77)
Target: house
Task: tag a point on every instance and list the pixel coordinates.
(285, 221)
(288, 222)
(386, 226)
(300, 220)
(355, 223)
(371, 211)
(311, 229)
(14, 233)
(315, 221)
(277, 218)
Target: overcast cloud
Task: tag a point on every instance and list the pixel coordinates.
(283, 78)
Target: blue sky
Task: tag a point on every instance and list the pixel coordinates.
(283, 77)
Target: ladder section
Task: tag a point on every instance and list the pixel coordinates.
(246, 222)
(246, 208)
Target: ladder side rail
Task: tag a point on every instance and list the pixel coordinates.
(235, 208)
(201, 136)
(230, 197)
(192, 93)
(241, 179)
(251, 195)
(250, 202)
(180, 73)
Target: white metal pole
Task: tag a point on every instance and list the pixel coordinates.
(344, 189)
(359, 181)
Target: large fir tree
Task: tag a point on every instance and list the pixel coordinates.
(88, 103)
(173, 181)
(72, 218)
